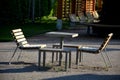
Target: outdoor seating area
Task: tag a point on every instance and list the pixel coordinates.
(59, 40)
(59, 48)
(72, 58)
(93, 50)
(22, 44)
(84, 19)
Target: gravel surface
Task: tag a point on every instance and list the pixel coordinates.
(92, 69)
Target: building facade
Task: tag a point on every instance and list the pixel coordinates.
(66, 7)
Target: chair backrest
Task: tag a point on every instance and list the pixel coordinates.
(73, 18)
(95, 15)
(82, 17)
(19, 37)
(105, 42)
(90, 17)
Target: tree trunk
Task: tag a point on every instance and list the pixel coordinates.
(33, 11)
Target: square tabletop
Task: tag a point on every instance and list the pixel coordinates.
(62, 34)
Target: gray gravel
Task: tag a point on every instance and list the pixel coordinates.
(26, 68)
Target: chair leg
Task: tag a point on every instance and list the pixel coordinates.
(110, 64)
(104, 61)
(19, 55)
(13, 55)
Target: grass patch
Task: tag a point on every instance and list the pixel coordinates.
(29, 29)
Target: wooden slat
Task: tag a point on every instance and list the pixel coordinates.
(21, 40)
(19, 33)
(16, 30)
(68, 45)
(24, 42)
(104, 44)
(19, 37)
(53, 50)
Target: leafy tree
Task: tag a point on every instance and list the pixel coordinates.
(17, 11)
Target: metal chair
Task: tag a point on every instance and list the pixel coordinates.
(95, 50)
(22, 43)
(73, 18)
(92, 17)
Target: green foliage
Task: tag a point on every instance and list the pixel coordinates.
(11, 11)
(20, 11)
(46, 7)
(28, 29)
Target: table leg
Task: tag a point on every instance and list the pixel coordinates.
(88, 30)
(61, 46)
(61, 43)
(44, 58)
(60, 58)
(77, 56)
(39, 59)
(66, 60)
(69, 59)
(52, 57)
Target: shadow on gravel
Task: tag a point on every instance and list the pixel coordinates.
(87, 77)
(20, 67)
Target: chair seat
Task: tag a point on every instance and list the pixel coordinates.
(33, 46)
(68, 45)
(90, 49)
(53, 50)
